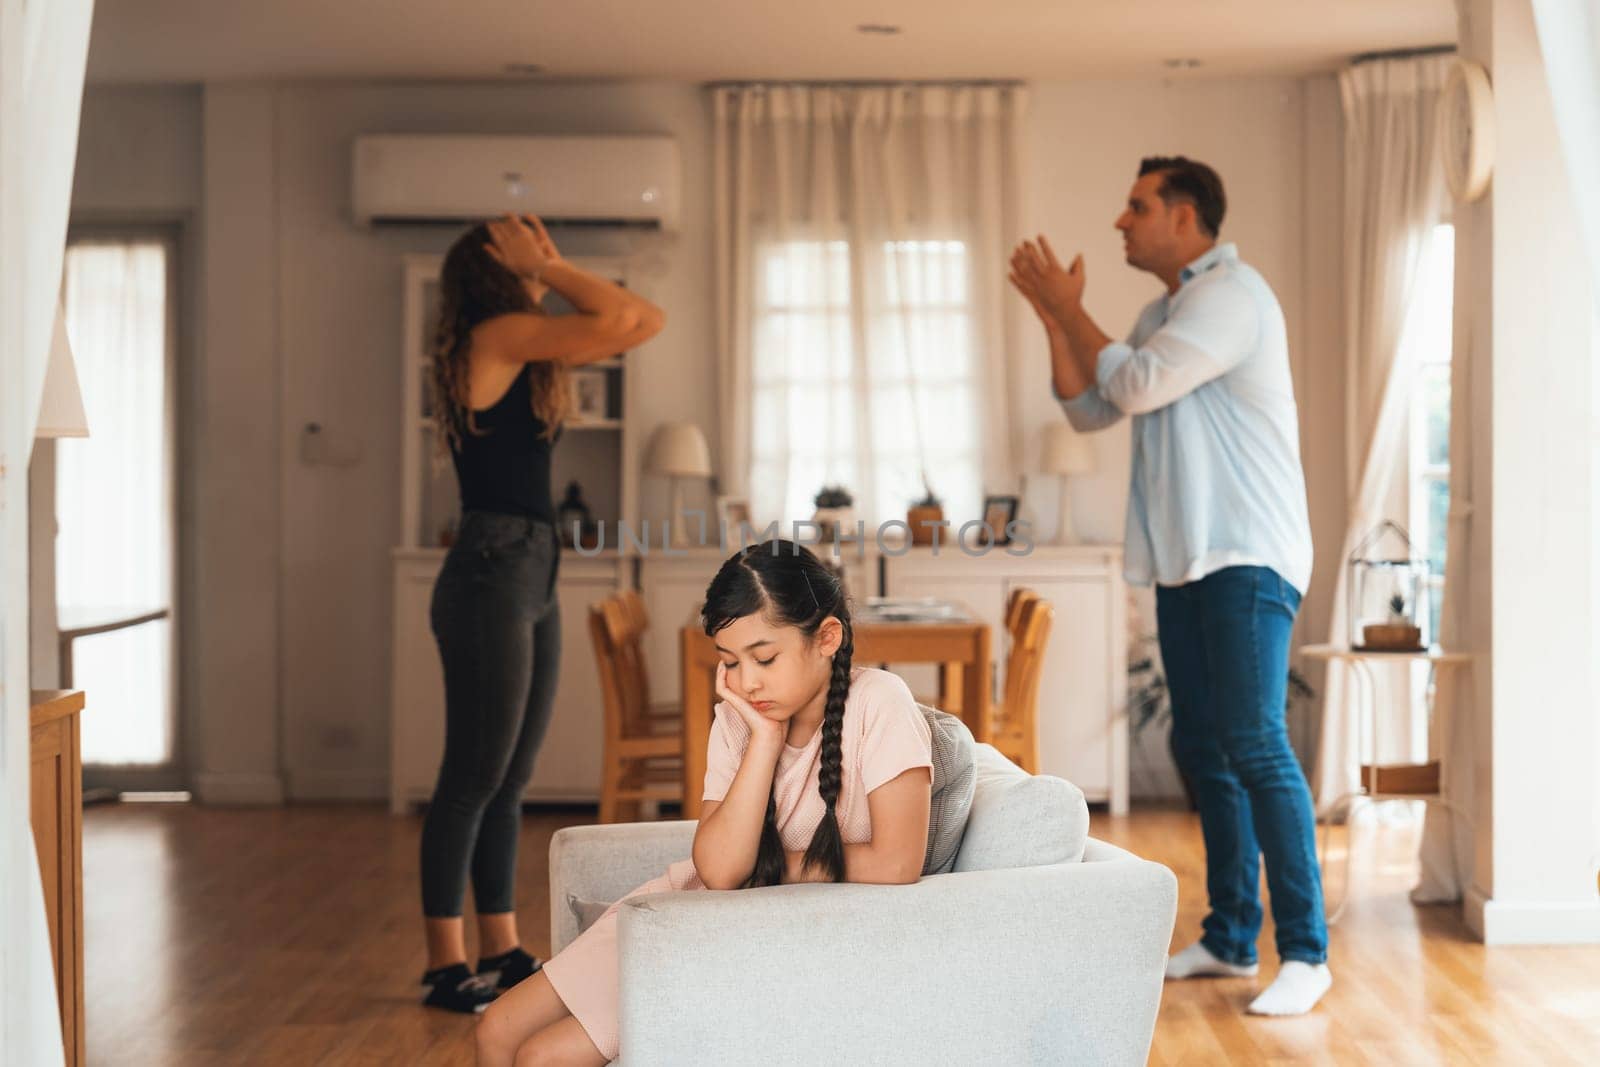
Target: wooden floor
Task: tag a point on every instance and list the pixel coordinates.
(290, 936)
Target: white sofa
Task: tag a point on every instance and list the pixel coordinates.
(1043, 946)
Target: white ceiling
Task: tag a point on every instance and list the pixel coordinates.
(709, 40)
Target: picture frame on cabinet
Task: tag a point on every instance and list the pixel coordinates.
(588, 395)
(998, 514)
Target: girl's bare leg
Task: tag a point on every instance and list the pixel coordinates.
(561, 1044)
(516, 1015)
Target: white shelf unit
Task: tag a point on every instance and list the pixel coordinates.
(1083, 687)
(598, 453)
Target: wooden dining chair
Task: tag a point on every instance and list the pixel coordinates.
(642, 755)
(1014, 721)
(1020, 598)
(638, 617)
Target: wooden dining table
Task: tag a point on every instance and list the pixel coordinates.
(960, 648)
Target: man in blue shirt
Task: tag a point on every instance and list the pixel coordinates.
(1217, 521)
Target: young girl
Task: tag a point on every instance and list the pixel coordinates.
(816, 772)
(500, 395)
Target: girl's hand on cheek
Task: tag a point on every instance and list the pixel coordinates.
(762, 729)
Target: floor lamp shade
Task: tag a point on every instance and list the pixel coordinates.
(61, 407)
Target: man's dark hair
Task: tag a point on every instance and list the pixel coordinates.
(1191, 182)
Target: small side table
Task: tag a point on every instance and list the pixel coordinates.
(1384, 781)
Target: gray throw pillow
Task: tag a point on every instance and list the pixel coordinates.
(586, 911)
(955, 777)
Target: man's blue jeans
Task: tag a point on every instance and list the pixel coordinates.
(1225, 646)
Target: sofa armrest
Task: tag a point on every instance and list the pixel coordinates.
(1017, 966)
(603, 863)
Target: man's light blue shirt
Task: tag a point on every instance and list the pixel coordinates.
(1216, 479)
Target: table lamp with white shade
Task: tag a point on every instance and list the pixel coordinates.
(678, 450)
(1066, 453)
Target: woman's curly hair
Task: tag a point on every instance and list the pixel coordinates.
(475, 287)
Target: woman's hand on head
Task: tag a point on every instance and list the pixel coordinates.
(522, 248)
(546, 243)
(762, 729)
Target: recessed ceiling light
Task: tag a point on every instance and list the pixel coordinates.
(524, 68)
(880, 28)
(1181, 63)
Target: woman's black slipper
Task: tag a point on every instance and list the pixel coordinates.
(454, 988)
(508, 968)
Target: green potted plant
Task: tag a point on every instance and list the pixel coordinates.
(835, 512)
(1398, 633)
(924, 515)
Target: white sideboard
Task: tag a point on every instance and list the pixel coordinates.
(1083, 726)
(568, 768)
(1083, 688)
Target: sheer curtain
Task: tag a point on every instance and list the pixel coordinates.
(114, 499)
(861, 239)
(1394, 198)
(43, 48)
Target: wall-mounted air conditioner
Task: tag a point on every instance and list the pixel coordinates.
(450, 178)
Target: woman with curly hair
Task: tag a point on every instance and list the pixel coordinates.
(501, 393)
(816, 771)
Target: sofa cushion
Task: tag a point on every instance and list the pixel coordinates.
(954, 781)
(586, 911)
(1020, 819)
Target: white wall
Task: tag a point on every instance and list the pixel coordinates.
(138, 155)
(299, 321)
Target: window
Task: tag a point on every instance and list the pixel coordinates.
(864, 375)
(114, 501)
(1426, 343)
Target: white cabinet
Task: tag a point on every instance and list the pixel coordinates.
(673, 587)
(1083, 722)
(568, 768)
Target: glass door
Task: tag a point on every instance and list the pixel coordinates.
(115, 500)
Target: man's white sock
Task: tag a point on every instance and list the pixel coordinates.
(1196, 961)
(1295, 991)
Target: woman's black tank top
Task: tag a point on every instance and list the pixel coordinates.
(505, 466)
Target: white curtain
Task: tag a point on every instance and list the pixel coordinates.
(114, 498)
(1446, 854)
(1569, 38)
(43, 47)
(861, 238)
(1394, 197)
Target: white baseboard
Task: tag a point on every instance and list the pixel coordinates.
(338, 785)
(1531, 922)
(238, 788)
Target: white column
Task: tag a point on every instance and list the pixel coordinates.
(1534, 624)
(238, 468)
